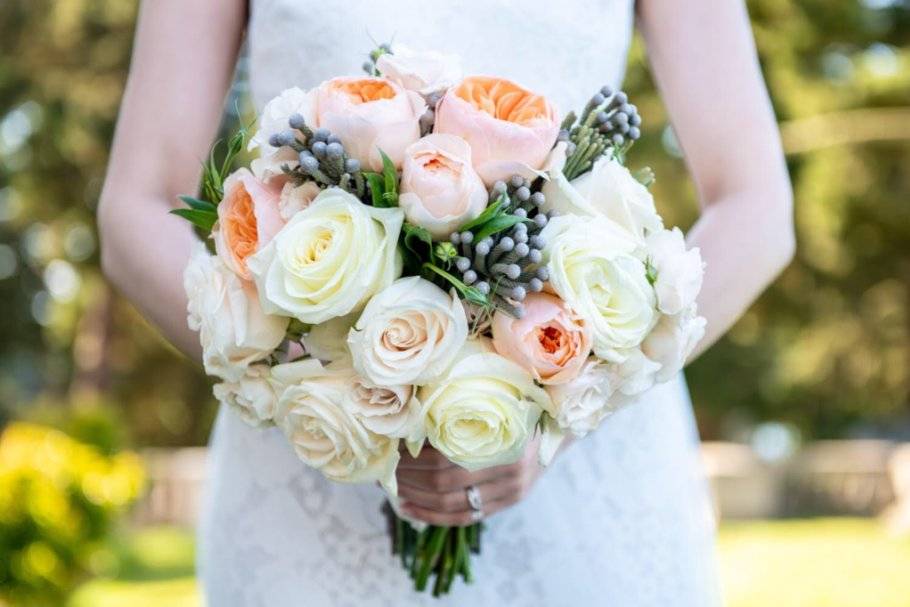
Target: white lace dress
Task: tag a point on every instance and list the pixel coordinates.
(621, 519)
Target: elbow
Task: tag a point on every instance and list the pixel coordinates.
(781, 236)
(110, 266)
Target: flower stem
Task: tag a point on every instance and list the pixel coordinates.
(438, 553)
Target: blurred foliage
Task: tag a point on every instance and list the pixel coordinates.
(58, 501)
(826, 349)
(63, 333)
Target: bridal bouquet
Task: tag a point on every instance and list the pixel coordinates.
(419, 257)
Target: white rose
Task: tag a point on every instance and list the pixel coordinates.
(315, 412)
(607, 189)
(673, 340)
(326, 341)
(274, 120)
(225, 310)
(593, 268)
(421, 71)
(392, 411)
(482, 412)
(679, 272)
(581, 404)
(409, 333)
(274, 116)
(329, 259)
(295, 198)
(634, 375)
(252, 396)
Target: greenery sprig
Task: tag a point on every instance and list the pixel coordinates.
(203, 211)
(609, 124)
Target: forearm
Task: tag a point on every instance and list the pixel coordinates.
(143, 254)
(183, 59)
(745, 243)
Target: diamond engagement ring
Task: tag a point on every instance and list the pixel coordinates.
(475, 502)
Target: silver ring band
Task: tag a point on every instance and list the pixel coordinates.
(475, 502)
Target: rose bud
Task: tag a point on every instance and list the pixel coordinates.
(440, 191)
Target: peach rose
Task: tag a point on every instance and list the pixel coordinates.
(368, 115)
(510, 129)
(440, 191)
(248, 218)
(549, 340)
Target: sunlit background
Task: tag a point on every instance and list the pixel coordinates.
(804, 407)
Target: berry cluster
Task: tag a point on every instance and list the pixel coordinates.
(506, 265)
(322, 157)
(609, 123)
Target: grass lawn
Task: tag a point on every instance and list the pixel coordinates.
(800, 563)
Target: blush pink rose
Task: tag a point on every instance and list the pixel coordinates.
(440, 191)
(549, 340)
(248, 218)
(368, 115)
(510, 129)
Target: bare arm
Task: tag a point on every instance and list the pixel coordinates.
(182, 63)
(703, 55)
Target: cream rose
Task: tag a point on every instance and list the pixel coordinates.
(273, 120)
(295, 198)
(440, 190)
(392, 411)
(483, 410)
(329, 259)
(510, 129)
(316, 414)
(233, 330)
(581, 404)
(252, 396)
(679, 271)
(248, 218)
(327, 340)
(369, 115)
(549, 340)
(593, 269)
(421, 71)
(672, 341)
(607, 189)
(635, 375)
(409, 333)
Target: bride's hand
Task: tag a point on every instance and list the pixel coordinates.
(434, 490)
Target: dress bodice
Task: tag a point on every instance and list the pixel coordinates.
(564, 50)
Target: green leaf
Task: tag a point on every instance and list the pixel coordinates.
(199, 205)
(488, 213)
(390, 180)
(650, 271)
(203, 219)
(414, 236)
(498, 224)
(470, 294)
(376, 189)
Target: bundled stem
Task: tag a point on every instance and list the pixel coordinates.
(437, 554)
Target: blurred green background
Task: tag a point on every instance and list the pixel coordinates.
(825, 353)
